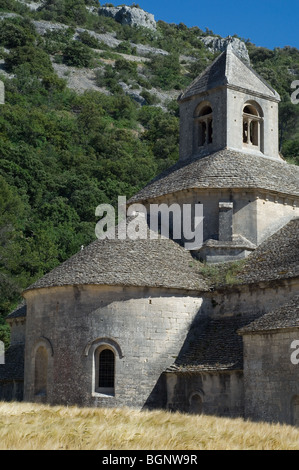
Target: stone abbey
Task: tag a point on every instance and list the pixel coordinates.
(134, 323)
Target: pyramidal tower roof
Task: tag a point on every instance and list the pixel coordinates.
(229, 70)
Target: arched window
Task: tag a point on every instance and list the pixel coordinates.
(105, 371)
(41, 372)
(195, 404)
(203, 131)
(252, 120)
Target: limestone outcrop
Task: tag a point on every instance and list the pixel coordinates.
(131, 16)
(220, 45)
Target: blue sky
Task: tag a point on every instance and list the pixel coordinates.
(267, 23)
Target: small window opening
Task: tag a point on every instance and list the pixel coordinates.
(251, 126)
(204, 126)
(254, 136)
(202, 133)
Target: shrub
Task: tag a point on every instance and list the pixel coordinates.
(144, 82)
(60, 35)
(173, 108)
(108, 78)
(77, 55)
(52, 82)
(150, 98)
(13, 5)
(14, 35)
(89, 40)
(65, 11)
(125, 47)
(122, 65)
(35, 58)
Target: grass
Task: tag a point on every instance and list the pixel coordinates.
(223, 274)
(26, 426)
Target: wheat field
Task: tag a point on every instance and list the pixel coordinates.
(26, 426)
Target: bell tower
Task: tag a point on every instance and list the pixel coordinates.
(229, 161)
(229, 107)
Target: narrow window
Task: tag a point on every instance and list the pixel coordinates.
(251, 126)
(254, 135)
(105, 371)
(41, 372)
(204, 126)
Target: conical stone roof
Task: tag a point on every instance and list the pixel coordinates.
(224, 169)
(144, 263)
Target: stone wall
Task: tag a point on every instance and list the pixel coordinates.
(256, 214)
(11, 390)
(273, 212)
(17, 330)
(271, 381)
(217, 99)
(269, 127)
(145, 327)
(220, 393)
(245, 300)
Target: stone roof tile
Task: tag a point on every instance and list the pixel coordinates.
(286, 316)
(213, 345)
(20, 311)
(229, 70)
(276, 258)
(224, 169)
(143, 263)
